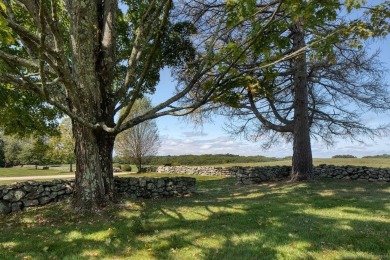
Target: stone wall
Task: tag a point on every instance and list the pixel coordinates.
(22, 195)
(352, 172)
(251, 175)
(16, 197)
(244, 175)
(196, 170)
(155, 187)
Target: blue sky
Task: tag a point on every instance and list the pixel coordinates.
(179, 136)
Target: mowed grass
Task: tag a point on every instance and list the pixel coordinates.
(24, 171)
(310, 220)
(369, 162)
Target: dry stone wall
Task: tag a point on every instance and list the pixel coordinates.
(244, 175)
(352, 173)
(16, 197)
(251, 175)
(196, 170)
(155, 187)
(22, 195)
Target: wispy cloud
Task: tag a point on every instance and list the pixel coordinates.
(192, 143)
(194, 134)
(218, 145)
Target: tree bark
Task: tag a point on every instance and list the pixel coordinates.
(106, 147)
(302, 162)
(94, 187)
(140, 166)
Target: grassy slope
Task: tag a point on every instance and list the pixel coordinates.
(315, 220)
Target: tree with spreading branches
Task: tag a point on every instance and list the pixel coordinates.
(315, 69)
(139, 143)
(91, 60)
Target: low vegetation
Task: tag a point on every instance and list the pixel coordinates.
(312, 220)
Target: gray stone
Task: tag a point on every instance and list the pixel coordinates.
(53, 195)
(15, 195)
(16, 206)
(150, 186)
(28, 187)
(44, 200)
(160, 183)
(142, 182)
(4, 207)
(30, 203)
(40, 189)
(58, 187)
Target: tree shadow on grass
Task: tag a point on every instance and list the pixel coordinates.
(322, 219)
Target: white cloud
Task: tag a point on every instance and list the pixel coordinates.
(218, 145)
(194, 134)
(180, 144)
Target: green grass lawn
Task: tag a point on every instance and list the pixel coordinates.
(312, 220)
(23, 171)
(369, 162)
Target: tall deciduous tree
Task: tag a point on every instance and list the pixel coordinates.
(311, 74)
(34, 151)
(12, 149)
(90, 60)
(140, 142)
(62, 146)
(307, 88)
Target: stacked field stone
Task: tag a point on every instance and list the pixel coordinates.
(16, 197)
(251, 175)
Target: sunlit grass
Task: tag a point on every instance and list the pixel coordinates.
(369, 162)
(23, 171)
(312, 220)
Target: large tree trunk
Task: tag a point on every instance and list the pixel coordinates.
(106, 147)
(93, 45)
(302, 162)
(94, 186)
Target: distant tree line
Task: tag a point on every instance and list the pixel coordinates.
(367, 156)
(377, 156)
(205, 159)
(344, 156)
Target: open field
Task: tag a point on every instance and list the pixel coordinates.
(24, 171)
(63, 170)
(313, 220)
(369, 162)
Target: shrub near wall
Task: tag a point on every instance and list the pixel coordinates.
(16, 197)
